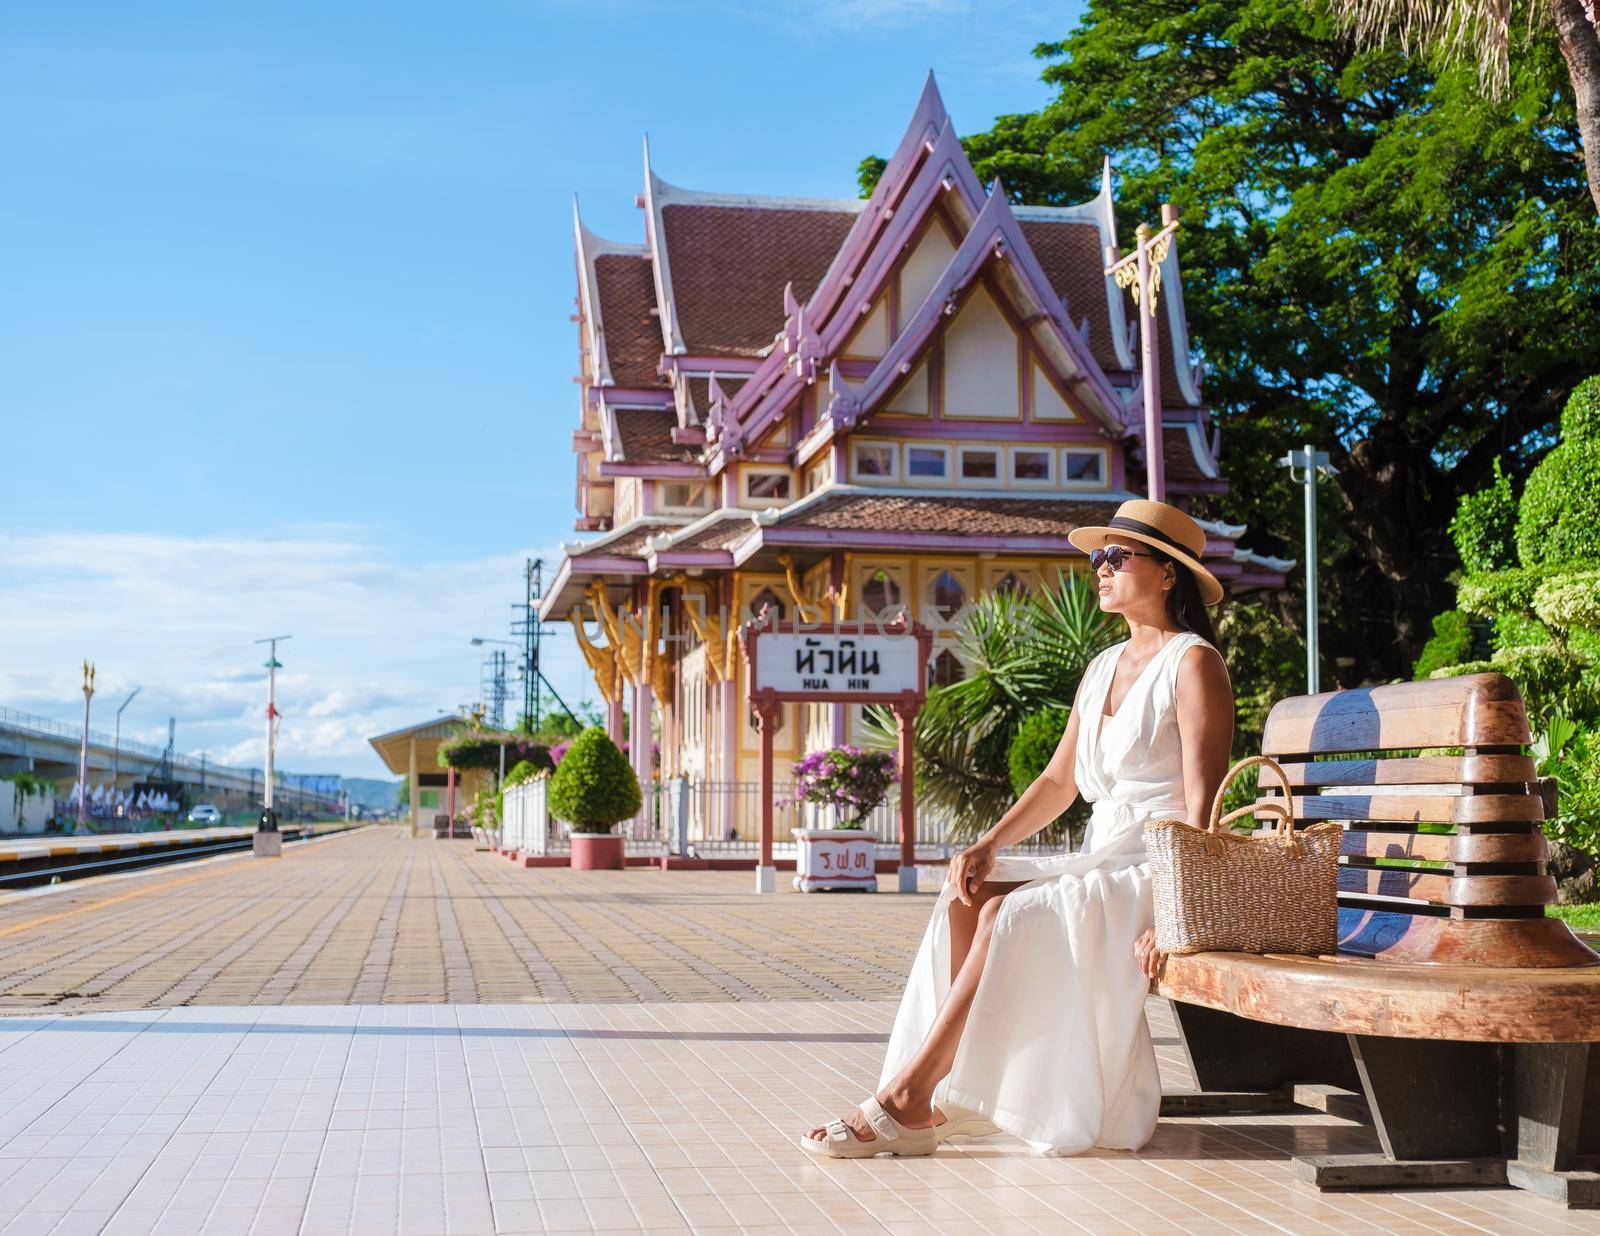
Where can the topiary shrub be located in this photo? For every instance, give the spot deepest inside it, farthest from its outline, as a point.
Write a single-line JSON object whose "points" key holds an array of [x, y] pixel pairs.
{"points": [[1033, 744], [594, 787], [1561, 506], [1570, 601], [525, 770], [1452, 643], [1580, 419], [1485, 526]]}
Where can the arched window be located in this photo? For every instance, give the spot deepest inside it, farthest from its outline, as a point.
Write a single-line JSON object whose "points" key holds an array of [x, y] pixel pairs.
{"points": [[880, 593], [948, 596], [1010, 582], [944, 669], [767, 599]]}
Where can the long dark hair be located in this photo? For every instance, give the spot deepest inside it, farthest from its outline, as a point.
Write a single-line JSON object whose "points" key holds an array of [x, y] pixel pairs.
{"points": [[1184, 605]]}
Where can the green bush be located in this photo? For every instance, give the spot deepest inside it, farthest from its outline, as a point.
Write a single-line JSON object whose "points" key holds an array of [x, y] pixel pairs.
{"points": [[1485, 526], [1452, 643], [525, 770], [1493, 593], [1551, 680], [1033, 744], [1580, 419], [1569, 601], [594, 786], [1561, 506]]}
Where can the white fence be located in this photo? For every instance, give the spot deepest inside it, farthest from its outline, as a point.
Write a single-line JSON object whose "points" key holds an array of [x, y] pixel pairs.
{"points": [[23, 813], [525, 822], [718, 819]]}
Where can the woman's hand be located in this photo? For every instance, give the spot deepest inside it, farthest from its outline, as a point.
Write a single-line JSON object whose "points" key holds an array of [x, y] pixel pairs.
{"points": [[1148, 955], [969, 869]]}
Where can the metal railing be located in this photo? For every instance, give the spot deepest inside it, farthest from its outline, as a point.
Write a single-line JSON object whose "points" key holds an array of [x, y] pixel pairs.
{"points": [[721, 819]]}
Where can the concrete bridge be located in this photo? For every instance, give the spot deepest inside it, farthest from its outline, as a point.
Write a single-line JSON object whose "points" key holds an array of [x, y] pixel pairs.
{"points": [[49, 749]]}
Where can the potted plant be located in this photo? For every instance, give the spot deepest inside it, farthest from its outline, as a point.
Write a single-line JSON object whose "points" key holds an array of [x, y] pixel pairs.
{"points": [[853, 782], [594, 789]]}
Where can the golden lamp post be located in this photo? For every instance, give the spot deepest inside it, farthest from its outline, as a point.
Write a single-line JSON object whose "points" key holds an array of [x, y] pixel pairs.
{"points": [[1140, 273], [83, 750]]}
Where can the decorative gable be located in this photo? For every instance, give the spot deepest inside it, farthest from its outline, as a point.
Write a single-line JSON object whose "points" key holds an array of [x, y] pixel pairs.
{"points": [[980, 361]]}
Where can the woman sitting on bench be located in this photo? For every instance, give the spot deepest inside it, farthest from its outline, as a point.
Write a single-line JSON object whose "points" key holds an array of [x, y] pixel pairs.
{"points": [[1024, 1010]]}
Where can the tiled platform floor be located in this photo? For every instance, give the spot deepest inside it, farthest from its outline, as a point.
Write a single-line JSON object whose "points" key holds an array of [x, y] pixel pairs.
{"points": [[376, 917], [658, 1117]]}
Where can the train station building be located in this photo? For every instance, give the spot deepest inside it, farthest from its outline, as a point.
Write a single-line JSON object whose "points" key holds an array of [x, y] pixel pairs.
{"points": [[841, 408]]}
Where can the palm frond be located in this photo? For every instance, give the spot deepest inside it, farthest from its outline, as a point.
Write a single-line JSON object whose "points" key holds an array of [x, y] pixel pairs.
{"points": [[1446, 30]]}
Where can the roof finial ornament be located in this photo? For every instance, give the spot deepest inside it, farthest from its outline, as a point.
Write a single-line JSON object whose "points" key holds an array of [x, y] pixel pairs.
{"points": [[844, 402]]}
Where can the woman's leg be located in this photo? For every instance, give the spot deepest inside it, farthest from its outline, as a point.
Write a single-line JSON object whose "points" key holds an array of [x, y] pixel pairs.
{"points": [[964, 920], [909, 1097]]}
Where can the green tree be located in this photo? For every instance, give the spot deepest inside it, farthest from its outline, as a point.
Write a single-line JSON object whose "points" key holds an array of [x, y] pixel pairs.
{"points": [[1377, 260], [1482, 30], [594, 787]]}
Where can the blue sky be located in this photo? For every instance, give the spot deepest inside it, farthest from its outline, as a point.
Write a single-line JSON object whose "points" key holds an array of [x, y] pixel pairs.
{"points": [[284, 337]]}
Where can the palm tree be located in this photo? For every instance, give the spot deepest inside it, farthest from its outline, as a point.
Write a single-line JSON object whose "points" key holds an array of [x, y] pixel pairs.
{"points": [[1481, 30], [1024, 651]]}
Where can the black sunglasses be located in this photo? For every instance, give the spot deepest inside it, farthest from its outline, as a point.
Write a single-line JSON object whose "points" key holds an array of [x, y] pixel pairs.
{"points": [[1114, 555]]}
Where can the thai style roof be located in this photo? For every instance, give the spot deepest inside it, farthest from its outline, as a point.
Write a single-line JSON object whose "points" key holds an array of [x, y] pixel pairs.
{"points": [[644, 435]]}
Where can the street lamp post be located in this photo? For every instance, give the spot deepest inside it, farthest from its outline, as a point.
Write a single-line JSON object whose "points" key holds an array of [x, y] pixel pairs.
{"points": [[268, 841], [83, 749], [1310, 462], [1140, 271], [116, 740]]}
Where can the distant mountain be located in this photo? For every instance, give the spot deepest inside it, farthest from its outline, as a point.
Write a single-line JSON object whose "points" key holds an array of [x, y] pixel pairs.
{"points": [[371, 792]]}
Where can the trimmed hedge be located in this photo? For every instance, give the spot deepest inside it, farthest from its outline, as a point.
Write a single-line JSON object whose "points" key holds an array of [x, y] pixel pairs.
{"points": [[594, 787]]}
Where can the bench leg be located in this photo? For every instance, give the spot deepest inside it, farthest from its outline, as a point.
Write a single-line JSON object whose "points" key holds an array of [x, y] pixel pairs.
{"points": [[1229, 1054], [1455, 1113], [1555, 1121]]}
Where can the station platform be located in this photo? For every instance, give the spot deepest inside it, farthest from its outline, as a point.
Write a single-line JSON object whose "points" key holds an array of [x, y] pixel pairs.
{"points": [[58, 845], [376, 1034]]}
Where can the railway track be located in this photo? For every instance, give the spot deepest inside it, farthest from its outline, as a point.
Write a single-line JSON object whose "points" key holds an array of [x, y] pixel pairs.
{"points": [[32, 866]]}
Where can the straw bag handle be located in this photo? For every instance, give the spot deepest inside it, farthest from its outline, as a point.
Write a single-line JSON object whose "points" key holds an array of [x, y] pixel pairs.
{"points": [[1284, 810]]}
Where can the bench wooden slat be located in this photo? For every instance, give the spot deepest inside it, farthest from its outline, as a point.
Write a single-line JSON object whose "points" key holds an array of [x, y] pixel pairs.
{"points": [[1475, 710], [1417, 808], [1518, 847], [1414, 770], [1447, 889]]}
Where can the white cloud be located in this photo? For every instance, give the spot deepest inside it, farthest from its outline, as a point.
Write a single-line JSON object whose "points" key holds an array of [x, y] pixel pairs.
{"points": [[377, 644]]}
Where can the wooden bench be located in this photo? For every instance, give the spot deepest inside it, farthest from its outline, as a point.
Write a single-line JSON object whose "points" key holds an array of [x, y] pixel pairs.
{"points": [[1467, 1021]]}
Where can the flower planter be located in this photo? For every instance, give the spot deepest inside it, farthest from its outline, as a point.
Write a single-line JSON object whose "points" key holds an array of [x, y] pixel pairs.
{"points": [[596, 852], [835, 859]]}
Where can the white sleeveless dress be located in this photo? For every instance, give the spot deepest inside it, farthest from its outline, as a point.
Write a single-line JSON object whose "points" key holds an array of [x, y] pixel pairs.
{"points": [[1056, 1049]]}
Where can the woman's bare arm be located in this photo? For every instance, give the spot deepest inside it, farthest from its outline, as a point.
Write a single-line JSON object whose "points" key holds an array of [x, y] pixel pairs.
{"points": [[1205, 727]]}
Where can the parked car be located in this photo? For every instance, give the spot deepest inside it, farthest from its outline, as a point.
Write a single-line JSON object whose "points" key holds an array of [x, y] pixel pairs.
{"points": [[205, 815]]}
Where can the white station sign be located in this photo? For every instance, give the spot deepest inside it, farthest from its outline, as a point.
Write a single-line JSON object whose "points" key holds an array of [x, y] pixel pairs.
{"points": [[802, 662]]}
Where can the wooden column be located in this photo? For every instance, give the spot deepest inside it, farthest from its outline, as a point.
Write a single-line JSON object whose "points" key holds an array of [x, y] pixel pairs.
{"points": [[766, 718], [905, 715], [411, 780]]}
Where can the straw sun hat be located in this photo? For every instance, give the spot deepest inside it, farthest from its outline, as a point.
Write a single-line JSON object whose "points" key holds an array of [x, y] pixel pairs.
{"points": [[1158, 525]]}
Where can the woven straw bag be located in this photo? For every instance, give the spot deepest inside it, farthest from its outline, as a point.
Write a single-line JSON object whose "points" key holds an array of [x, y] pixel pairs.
{"points": [[1217, 890]]}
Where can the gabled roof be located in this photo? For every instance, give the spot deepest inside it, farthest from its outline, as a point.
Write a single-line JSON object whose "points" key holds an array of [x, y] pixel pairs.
{"points": [[994, 243], [644, 435], [617, 276]]}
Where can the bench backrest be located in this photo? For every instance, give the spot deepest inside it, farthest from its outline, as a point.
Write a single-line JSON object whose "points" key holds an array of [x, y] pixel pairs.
{"points": [[1444, 854]]}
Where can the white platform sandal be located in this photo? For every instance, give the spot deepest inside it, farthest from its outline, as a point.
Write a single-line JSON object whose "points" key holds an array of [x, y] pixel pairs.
{"points": [[892, 1137]]}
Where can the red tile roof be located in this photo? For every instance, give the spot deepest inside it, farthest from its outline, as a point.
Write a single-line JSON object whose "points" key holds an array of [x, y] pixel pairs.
{"points": [[626, 287], [1070, 255], [646, 436], [950, 514], [718, 535], [1178, 456], [700, 390], [729, 265]]}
